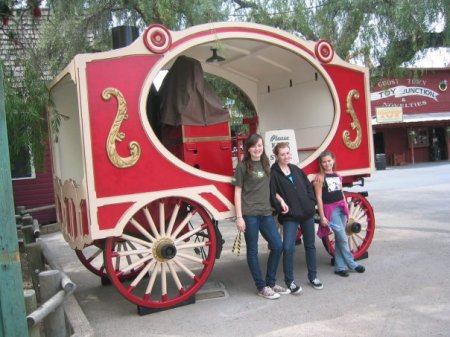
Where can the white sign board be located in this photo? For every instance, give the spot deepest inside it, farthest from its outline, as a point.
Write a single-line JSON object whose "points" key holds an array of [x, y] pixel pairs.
{"points": [[274, 137], [389, 114]]}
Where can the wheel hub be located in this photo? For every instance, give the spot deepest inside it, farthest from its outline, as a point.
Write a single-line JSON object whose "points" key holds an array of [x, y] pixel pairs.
{"points": [[164, 249], [353, 227]]}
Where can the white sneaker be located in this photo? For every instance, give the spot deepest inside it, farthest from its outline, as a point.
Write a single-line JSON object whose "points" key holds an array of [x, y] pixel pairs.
{"points": [[267, 292], [295, 289], [316, 284], [281, 290]]}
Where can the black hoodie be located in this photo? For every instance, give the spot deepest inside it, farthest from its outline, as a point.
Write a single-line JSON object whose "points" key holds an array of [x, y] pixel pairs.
{"points": [[299, 196]]}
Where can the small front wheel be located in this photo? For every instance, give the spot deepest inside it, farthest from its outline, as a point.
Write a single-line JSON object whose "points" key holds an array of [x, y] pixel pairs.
{"points": [[360, 227]]}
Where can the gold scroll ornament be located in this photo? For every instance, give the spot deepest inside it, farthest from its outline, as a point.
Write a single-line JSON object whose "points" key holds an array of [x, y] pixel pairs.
{"points": [[116, 135], [354, 124]]}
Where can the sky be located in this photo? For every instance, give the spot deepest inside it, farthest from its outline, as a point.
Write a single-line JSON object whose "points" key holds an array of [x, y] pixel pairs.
{"points": [[433, 58]]}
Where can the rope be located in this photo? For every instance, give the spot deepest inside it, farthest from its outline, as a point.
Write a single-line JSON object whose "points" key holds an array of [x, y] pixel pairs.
{"points": [[237, 244]]}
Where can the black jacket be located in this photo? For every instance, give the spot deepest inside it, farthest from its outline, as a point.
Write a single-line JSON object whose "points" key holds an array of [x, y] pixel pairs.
{"points": [[299, 196]]}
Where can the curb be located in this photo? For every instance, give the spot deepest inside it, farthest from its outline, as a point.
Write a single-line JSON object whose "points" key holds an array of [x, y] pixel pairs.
{"points": [[79, 325]]}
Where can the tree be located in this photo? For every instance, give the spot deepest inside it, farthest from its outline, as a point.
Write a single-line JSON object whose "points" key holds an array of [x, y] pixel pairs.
{"points": [[382, 34]]}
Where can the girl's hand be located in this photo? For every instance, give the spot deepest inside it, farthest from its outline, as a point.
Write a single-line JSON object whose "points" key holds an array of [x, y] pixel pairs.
{"points": [[240, 224], [323, 222], [284, 208]]}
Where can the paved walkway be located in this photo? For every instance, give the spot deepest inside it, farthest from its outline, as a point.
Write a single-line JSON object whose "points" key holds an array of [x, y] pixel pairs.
{"points": [[405, 291]]}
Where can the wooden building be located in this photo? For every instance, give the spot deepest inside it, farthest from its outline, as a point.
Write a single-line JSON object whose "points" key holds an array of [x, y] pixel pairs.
{"points": [[411, 118]]}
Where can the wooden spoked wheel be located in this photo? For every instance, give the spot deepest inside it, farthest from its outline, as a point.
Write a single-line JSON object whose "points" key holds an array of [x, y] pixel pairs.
{"points": [[360, 227], [173, 243], [91, 257]]}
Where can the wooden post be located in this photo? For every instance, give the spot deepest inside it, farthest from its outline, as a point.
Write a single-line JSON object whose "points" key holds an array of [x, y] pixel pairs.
{"points": [[35, 263], [31, 305], [12, 309]]}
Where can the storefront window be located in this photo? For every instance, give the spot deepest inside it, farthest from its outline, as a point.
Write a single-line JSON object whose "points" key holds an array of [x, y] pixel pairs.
{"points": [[418, 137]]}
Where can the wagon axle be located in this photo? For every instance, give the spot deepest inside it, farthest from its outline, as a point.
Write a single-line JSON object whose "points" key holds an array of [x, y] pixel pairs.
{"points": [[353, 227], [164, 249], [167, 251]]}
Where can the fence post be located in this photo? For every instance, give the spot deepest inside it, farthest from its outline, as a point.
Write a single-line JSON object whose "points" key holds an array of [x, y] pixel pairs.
{"points": [[12, 309], [54, 323], [35, 263], [31, 305]]}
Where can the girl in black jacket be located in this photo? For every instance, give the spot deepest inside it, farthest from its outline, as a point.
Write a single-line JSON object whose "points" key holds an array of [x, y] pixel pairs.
{"points": [[294, 200]]}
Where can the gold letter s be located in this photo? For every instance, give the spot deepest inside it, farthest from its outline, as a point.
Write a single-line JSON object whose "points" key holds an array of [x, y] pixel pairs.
{"points": [[115, 135], [354, 124]]}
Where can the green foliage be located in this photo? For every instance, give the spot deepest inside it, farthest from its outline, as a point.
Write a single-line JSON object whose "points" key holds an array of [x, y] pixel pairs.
{"points": [[25, 107], [236, 101]]}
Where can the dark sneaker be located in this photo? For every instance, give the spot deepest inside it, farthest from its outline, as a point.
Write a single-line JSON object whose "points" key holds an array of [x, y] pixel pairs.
{"points": [[316, 284], [342, 273], [281, 290], [295, 289], [360, 269], [267, 292]]}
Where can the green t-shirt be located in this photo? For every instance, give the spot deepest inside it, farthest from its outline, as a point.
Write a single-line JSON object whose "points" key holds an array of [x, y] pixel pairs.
{"points": [[255, 189]]}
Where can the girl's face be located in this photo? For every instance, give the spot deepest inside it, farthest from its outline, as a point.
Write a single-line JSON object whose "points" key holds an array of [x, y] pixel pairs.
{"points": [[284, 156], [327, 163], [256, 150]]}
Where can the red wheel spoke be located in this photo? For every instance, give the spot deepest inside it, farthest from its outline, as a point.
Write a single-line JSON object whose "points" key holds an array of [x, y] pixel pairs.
{"points": [[184, 268], [151, 222], [182, 225], [174, 275], [162, 219], [173, 218], [143, 272], [193, 245], [141, 229], [188, 234]]}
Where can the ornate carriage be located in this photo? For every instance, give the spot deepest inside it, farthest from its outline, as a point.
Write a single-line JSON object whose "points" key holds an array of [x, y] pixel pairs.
{"points": [[143, 176]]}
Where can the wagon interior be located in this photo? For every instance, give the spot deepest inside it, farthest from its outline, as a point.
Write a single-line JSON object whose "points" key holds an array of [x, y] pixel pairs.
{"points": [[285, 90]]}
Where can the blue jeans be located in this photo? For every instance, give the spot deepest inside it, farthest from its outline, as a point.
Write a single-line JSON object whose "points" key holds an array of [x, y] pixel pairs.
{"points": [[266, 225], [343, 258], [289, 234]]}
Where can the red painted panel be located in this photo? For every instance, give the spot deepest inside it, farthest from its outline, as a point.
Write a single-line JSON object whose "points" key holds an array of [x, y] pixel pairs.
{"points": [[217, 204], [152, 172], [345, 80], [108, 216], [220, 129]]}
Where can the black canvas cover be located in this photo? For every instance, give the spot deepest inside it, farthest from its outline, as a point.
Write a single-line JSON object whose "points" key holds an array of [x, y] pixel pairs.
{"points": [[186, 98]]}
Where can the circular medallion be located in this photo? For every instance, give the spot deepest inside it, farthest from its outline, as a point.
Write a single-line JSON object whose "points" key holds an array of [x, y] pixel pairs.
{"points": [[324, 51], [157, 39], [443, 85]]}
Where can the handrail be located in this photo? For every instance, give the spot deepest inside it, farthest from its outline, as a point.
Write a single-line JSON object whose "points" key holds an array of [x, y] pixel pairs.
{"points": [[67, 288]]}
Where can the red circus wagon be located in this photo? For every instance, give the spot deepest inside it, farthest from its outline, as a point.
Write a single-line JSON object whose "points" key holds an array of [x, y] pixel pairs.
{"points": [[143, 176]]}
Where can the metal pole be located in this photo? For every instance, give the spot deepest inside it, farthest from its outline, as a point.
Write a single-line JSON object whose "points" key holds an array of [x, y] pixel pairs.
{"points": [[12, 305]]}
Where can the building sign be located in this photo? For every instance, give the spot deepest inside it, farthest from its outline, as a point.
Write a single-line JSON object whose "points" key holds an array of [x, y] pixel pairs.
{"points": [[417, 94], [389, 115], [274, 137], [403, 91]]}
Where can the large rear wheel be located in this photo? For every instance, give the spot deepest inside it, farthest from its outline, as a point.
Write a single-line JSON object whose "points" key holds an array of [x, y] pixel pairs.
{"points": [[360, 227], [173, 243]]}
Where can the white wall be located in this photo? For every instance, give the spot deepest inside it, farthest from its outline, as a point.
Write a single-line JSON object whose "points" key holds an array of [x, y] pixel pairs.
{"points": [[307, 107]]}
